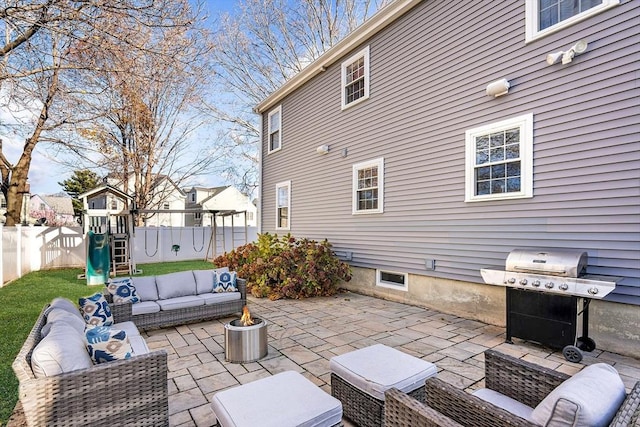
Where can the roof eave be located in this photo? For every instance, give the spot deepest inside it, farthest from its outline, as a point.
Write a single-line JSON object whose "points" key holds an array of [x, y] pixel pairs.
{"points": [[369, 28]]}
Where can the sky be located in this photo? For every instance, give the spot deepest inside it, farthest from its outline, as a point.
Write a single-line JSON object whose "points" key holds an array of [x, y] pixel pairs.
{"points": [[45, 172]]}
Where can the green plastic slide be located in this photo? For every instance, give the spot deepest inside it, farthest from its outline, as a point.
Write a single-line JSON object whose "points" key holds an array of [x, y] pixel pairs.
{"points": [[98, 258]]}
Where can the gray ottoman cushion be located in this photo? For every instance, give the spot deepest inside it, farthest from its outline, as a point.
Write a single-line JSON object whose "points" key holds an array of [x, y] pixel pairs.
{"points": [[284, 399], [377, 368]]}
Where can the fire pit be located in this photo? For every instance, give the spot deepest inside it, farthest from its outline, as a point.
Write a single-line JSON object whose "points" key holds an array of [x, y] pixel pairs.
{"points": [[245, 339]]}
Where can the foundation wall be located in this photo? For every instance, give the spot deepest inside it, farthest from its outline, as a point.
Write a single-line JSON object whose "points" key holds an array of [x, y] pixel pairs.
{"points": [[614, 327]]}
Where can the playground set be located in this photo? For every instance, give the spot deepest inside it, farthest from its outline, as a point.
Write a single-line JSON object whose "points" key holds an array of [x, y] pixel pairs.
{"points": [[108, 234]]}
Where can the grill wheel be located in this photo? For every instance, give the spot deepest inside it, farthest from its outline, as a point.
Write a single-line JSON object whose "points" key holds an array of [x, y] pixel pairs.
{"points": [[572, 353]]}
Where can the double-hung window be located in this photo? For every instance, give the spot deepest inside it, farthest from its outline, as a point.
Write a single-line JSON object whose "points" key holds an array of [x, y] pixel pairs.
{"points": [[275, 129], [283, 206], [499, 160], [548, 16], [355, 78], [368, 187]]}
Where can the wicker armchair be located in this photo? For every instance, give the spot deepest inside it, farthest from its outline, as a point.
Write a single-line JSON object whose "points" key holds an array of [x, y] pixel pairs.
{"points": [[130, 392], [521, 380]]}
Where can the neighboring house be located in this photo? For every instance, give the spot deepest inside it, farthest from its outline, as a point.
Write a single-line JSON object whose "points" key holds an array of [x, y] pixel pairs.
{"points": [[228, 202], [51, 210], [389, 146], [165, 195]]}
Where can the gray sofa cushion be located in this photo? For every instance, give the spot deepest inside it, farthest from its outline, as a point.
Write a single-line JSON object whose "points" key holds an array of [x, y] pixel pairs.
{"points": [[62, 350], [145, 288], [205, 279], [174, 285], [64, 304], [219, 297], [145, 307], [61, 315], [180, 302]]}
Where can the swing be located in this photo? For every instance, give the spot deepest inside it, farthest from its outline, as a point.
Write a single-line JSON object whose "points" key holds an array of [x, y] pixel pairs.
{"points": [[145, 242], [193, 236], [175, 247]]}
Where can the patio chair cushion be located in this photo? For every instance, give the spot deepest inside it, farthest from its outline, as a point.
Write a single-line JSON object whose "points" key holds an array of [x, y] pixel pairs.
{"points": [[590, 398], [377, 368], [106, 344], [96, 310], [123, 290], [504, 402], [206, 279], [146, 288], [226, 282], [284, 399], [175, 285], [62, 350], [61, 315]]}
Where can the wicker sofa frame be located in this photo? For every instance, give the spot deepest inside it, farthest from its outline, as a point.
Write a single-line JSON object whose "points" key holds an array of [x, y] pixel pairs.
{"points": [[130, 392], [122, 312], [523, 381]]}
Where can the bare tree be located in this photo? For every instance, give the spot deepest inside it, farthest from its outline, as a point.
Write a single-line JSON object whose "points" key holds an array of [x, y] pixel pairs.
{"points": [[145, 117], [261, 47], [43, 48]]}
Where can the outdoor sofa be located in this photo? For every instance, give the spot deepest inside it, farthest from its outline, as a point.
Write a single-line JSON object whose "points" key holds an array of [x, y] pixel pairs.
{"points": [[60, 386], [513, 382], [178, 298]]}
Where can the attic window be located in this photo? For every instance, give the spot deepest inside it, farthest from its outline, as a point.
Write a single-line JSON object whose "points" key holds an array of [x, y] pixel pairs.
{"points": [[355, 79], [275, 132]]}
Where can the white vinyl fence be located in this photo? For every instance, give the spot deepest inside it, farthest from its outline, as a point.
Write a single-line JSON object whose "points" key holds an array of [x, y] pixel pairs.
{"points": [[28, 248]]}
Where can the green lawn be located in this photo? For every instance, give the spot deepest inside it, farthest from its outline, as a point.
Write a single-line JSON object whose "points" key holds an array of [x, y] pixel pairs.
{"points": [[22, 301]]}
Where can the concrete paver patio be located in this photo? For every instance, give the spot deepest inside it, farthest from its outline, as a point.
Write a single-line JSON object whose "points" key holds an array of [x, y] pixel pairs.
{"points": [[305, 334]]}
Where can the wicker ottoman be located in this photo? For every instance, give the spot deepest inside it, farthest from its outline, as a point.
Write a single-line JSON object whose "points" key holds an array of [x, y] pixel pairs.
{"points": [[360, 378], [284, 399]]}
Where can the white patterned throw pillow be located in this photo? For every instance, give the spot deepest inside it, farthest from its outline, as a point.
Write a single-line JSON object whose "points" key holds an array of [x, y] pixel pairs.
{"points": [[225, 282], [95, 310], [123, 291], [105, 344]]}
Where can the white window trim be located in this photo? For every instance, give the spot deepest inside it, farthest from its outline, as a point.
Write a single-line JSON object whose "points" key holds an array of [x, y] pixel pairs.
{"points": [[525, 122], [532, 19], [278, 186], [391, 285], [278, 109], [354, 186], [363, 53]]}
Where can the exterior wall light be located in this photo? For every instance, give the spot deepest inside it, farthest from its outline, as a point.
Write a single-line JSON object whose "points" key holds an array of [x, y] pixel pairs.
{"points": [[567, 56], [498, 88], [322, 149]]}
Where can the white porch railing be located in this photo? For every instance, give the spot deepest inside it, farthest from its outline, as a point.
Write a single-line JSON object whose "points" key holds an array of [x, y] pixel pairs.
{"points": [[29, 248]]}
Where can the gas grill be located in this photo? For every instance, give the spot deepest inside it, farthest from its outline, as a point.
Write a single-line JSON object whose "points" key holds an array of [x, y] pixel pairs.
{"points": [[548, 296]]}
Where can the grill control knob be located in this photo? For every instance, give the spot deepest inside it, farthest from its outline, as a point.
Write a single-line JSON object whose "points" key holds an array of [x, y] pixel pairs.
{"points": [[536, 283], [548, 285], [523, 282], [593, 291], [512, 280], [563, 286]]}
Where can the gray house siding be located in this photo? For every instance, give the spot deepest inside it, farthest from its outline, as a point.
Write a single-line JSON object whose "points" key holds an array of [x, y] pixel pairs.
{"points": [[428, 74]]}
